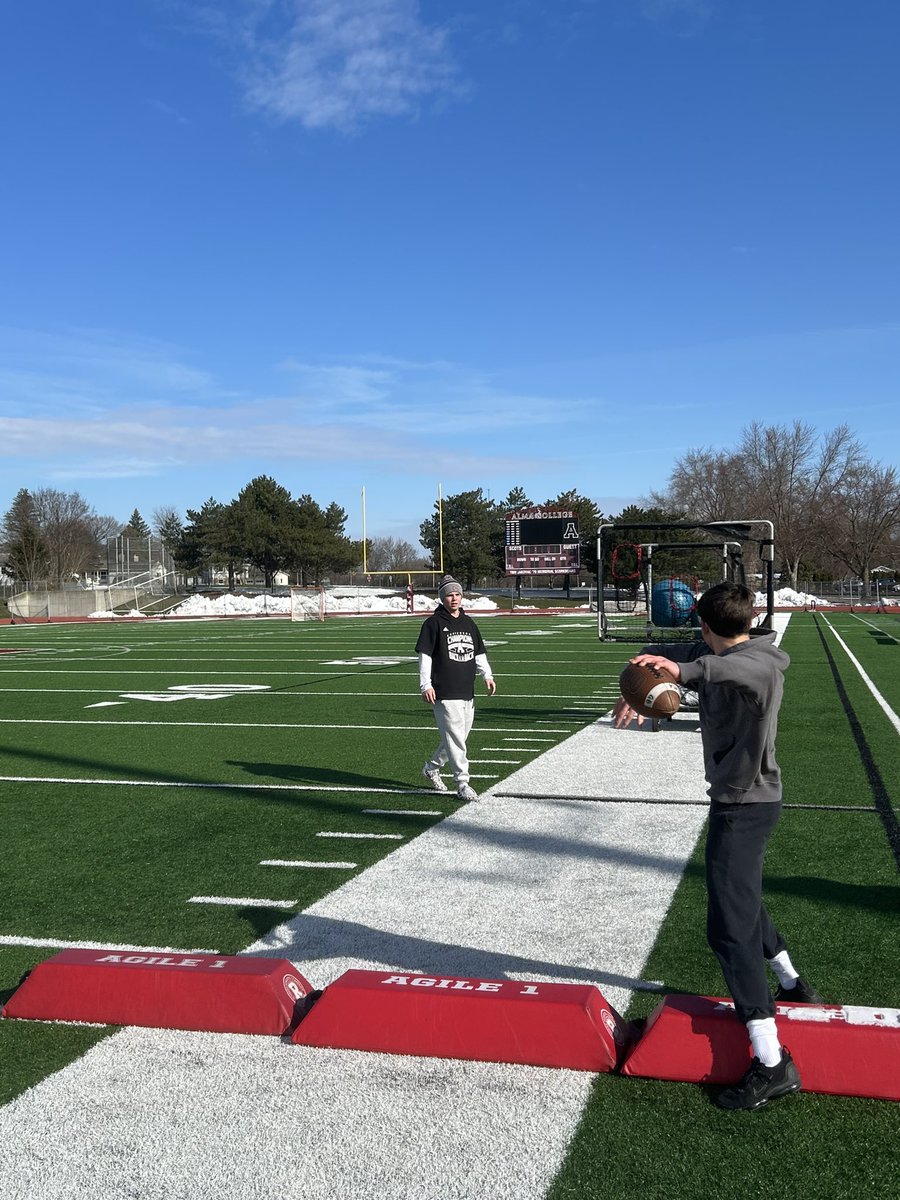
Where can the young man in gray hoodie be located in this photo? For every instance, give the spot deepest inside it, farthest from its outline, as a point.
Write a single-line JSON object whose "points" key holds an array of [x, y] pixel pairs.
{"points": [[739, 680]]}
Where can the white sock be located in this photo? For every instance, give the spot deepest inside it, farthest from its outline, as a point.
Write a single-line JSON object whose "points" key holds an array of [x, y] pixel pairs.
{"points": [[764, 1040], [783, 967]]}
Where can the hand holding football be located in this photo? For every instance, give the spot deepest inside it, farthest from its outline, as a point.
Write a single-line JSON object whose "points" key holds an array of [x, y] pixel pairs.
{"points": [[650, 691]]}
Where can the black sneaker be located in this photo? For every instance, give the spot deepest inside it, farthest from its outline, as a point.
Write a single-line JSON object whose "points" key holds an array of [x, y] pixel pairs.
{"points": [[761, 1084], [800, 993]]}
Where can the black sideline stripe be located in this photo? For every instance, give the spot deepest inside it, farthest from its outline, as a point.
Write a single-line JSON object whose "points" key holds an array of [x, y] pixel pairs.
{"points": [[877, 785]]}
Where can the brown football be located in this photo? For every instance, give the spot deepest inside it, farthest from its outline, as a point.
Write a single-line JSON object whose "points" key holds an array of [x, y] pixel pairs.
{"points": [[649, 691]]}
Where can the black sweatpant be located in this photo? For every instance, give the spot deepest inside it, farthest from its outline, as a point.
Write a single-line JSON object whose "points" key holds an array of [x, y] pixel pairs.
{"points": [[738, 927]]}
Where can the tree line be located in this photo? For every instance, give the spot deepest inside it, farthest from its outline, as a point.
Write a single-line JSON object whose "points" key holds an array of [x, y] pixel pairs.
{"points": [[834, 511]]}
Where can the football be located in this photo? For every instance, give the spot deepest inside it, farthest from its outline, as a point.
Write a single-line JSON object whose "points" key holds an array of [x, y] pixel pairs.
{"points": [[650, 691]]}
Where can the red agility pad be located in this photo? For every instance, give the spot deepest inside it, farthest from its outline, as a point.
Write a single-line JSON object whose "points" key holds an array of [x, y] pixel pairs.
{"points": [[490, 1020], [844, 1050], [214, 993]]}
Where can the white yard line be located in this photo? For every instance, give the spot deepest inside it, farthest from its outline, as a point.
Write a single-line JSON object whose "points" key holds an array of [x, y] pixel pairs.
{"points": [[404, 812], [239, 787], [59, 944], [284, 862], [429, 729], [391, 837], [533, 889], [242, 901]]}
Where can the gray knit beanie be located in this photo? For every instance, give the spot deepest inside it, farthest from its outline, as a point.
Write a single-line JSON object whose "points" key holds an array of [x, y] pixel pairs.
{"points": [[448, 584]]}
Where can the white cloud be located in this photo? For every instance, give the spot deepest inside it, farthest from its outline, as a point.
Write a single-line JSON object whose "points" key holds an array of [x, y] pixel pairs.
{"points": [[84, 370], [341, 63], [82, 405]]}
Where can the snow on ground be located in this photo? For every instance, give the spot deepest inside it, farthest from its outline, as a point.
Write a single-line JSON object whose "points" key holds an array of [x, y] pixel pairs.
{"points": [[372, 599], [346, 599], [788, 598]]}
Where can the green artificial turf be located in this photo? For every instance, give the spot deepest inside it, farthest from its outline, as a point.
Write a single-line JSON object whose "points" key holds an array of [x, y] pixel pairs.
{"points": [[118, 863], [197, 793]]}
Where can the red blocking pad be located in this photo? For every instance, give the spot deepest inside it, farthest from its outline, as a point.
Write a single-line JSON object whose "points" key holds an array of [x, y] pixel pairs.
{"points": [[215, 993], [845, 1050], [490, 1020]]}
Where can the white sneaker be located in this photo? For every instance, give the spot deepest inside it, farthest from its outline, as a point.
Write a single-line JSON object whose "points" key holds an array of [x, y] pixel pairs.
{"points": [[434, 778], [464, 792]]}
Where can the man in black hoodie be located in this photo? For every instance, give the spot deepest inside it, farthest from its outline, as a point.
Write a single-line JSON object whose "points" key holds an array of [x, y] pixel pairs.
{"points": [[451, 653], [740, 681]]}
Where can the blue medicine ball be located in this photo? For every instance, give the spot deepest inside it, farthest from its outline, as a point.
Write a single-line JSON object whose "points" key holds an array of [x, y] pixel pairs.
{"points": [[672, 603]]}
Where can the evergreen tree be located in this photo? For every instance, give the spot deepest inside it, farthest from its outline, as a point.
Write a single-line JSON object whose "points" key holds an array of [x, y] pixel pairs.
{"points": [[589, 521], [198, 545], [323, 544], [517, 497], [136, 526], [168, 527], [472, 533], [24, 550], [268, 527]]}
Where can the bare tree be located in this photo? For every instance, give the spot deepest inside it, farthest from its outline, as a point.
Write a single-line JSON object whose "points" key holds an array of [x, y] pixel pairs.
{"points": [[67, 525], [706, 485], [862, 520], [391, 554], [789, 475]]}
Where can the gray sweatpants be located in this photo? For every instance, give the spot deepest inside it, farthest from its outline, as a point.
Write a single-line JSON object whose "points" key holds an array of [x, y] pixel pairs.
{"points": [[454, 720]]}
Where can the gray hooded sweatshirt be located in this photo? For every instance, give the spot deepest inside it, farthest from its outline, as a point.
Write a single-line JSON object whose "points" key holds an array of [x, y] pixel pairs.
{"points": [[740, 693]]}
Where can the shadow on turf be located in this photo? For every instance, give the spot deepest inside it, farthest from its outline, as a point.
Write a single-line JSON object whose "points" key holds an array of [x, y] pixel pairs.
{"points": [[301, 773], [313, 938], [287, 771], [833, 893], [877, 785]]}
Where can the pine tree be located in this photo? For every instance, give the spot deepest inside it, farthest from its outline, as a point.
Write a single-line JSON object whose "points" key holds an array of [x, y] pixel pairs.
{"points": [[25, 555], [137, 526]]}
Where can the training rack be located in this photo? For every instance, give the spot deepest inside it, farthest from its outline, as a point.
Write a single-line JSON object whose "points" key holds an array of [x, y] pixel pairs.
{"points": [[625, 599]]}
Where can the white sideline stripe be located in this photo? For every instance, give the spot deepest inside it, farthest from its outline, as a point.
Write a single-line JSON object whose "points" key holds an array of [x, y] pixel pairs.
{"points": [[404, 812], [285, 862], [243, 901], [389, 837], [495, 762], [58, 944], [524, 889], [536, 740], [879, 699]]}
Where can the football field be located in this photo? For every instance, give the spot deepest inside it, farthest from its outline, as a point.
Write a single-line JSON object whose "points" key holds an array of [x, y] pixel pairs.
{"points": [[230, 785]]}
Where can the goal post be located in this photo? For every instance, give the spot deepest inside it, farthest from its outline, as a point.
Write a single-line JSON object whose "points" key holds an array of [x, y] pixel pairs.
{"points": [[650, 575], [307, 604]]}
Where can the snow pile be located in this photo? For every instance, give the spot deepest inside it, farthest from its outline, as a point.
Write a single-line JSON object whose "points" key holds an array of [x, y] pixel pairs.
{"points": [[346, 600], [106, 614], [788, 598]]}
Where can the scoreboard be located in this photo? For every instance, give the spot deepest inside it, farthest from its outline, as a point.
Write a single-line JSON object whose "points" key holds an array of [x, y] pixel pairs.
{"points": [[542, 541]]}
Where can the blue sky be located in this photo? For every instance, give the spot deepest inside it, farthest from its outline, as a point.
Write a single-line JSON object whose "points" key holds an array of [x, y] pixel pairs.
{"points": [[397, 244]]}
